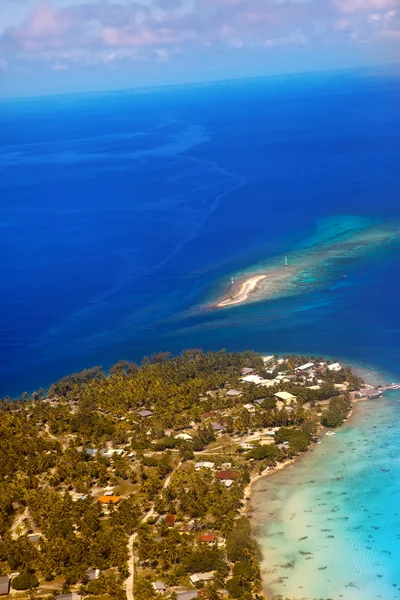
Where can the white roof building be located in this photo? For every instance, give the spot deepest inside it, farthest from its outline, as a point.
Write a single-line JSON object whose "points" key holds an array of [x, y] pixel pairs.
{"points": [[159, 586], [196, 577], [252, 379], [183, 436], [285, 396], [204, 465], [305, 367], [249, 407], [334, 367], [228, 483], [267, 359]]}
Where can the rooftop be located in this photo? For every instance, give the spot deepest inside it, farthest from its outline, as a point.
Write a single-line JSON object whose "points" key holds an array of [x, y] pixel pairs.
{"points": [[247, 371], [305, 367], [109, 499], [159, 586], [144, 413], [208, 538], [187, 595], [285, 396], [4, 586], [170, 520]]}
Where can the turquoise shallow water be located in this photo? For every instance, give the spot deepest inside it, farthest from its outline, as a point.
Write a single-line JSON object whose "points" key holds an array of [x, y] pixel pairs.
{"points": [[329, 526]]}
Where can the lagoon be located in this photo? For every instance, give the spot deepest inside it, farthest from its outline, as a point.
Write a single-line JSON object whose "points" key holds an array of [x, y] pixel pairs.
{"points": [[329, 526]]}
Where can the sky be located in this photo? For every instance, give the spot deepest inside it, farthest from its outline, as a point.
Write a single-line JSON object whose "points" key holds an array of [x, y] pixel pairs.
{"points": [[50, 46]]}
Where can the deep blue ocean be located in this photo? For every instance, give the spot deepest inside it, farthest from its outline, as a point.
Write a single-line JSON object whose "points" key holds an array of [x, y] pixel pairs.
{"points": [[123, 212]]}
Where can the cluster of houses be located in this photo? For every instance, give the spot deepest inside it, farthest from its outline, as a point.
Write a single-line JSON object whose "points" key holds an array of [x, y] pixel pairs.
{"points": [[308, 374]]}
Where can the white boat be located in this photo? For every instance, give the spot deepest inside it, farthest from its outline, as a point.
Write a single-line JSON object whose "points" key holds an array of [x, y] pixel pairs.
{"points": [[331, 433]]}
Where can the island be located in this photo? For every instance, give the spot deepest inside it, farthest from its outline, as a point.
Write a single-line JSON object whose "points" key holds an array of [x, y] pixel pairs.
{"points": [[320, 260], [134, 483]]}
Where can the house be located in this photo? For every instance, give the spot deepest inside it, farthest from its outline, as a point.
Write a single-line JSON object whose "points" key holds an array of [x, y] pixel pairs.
{"points": [[285, 396], [70, 596], [249, 407], [305, 367], [267, 359], [107, 453], [204, 465], [373, 393], [184, 436], [186, 595], [217, 427], [228, 483], [252, 379], [226, 475], [196, 577], [170, 520], [246, 371], [34, 538], [334, 367], [208, 538], [4, 586], [144, 413], [109, 499], [207, 415], [92, 574], [159, 587], [234, 393]]}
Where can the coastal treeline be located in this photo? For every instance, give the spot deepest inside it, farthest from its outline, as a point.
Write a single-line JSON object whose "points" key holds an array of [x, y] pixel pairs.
{"points": [[150, 465]]}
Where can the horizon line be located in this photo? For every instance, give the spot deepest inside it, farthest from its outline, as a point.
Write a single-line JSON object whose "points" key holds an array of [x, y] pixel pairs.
{"points": [[205, 82]]}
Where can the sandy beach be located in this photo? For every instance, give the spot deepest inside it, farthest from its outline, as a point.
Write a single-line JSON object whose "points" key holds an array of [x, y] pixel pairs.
{"points": [[247, 288]]}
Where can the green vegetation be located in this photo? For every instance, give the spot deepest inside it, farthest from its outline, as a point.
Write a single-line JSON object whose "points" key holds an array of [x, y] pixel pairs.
{"points": [[163, 453], [337, 412]]}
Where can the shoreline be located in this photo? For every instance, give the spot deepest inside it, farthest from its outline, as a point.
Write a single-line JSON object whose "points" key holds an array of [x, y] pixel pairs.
{"points": [[247, 496]]}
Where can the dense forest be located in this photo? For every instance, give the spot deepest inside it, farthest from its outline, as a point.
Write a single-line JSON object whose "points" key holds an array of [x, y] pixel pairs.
{"points": [[132, 483]]}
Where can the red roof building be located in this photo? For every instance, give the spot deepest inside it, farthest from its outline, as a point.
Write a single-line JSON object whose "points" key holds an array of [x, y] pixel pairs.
{"points": [[170, 520], [209, 538], [206, 415]]}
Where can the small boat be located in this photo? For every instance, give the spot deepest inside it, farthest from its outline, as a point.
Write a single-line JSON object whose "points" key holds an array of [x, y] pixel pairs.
{"points": [[331, 433]]}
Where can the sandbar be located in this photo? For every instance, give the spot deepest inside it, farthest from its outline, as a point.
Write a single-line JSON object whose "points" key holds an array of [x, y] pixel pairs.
{"points": [[316, 263], [248, 287]]}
